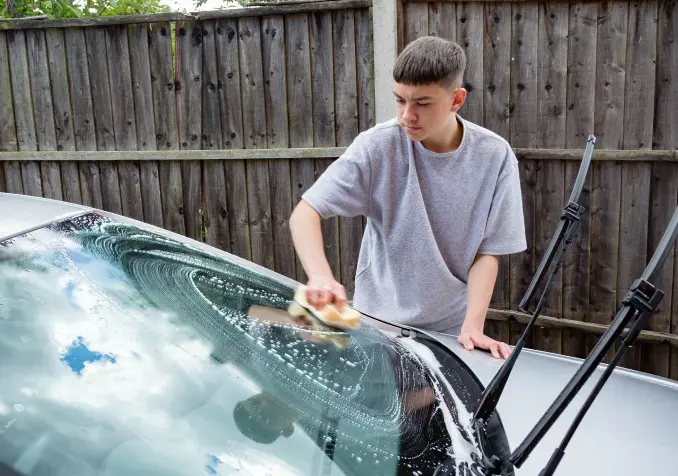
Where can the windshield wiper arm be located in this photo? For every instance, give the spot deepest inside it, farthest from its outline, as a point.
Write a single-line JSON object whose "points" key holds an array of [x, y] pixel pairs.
{"points": [[641, 301], [569, 223]]}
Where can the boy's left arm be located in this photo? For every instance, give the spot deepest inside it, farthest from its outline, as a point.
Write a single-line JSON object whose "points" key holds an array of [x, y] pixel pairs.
{"points": [[481, 279]]}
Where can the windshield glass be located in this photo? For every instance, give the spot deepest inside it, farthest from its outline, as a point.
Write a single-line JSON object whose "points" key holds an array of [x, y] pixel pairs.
{"points": [[123, 352]]}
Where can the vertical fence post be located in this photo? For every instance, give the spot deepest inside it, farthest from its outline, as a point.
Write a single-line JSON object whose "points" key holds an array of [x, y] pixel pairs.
{"points": [[385, 29]]}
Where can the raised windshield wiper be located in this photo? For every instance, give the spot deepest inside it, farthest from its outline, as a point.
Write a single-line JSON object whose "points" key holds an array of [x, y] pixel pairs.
{"points": [[569, 223], [640, 302]]}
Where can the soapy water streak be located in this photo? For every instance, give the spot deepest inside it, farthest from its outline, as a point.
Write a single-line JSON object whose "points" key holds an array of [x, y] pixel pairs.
{"points": [[362, 385]]}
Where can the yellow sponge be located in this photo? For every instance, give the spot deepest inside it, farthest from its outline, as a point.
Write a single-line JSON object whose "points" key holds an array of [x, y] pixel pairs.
{"points": [[349, 318]]}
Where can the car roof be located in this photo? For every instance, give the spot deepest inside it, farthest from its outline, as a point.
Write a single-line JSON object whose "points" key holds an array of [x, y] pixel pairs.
{"points": [[23, 213]]}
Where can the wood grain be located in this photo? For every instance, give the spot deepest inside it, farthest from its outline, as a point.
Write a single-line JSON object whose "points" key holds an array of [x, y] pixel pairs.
{"points": [[231, 119], [63, 115], [216, 219], [581, 70], [163, 89], [142, 91], [254, 129], [83, 114], [43, 111], [189, 113], [275, 90], [497, 85], [636, 178], [23, 111], [124, 121], [470, 37]]}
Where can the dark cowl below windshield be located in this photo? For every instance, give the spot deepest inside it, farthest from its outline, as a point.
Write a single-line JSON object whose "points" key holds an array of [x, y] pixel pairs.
{"points": [[125, 352]]}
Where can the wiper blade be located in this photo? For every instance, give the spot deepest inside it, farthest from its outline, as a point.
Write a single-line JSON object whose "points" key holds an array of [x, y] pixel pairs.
{"points": [[641, 301], [569, 223]]}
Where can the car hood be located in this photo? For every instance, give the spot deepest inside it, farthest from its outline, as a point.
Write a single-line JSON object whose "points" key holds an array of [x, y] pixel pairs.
{"points": [[22, 213], [629, 430]]}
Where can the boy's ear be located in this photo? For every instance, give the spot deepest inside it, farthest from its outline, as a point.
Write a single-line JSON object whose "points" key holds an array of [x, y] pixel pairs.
{"points": [[459, 96], [287, 432]]}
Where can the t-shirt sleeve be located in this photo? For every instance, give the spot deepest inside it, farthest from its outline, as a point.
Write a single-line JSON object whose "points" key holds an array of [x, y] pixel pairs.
{"points": [[505, 228], [344, 189]]}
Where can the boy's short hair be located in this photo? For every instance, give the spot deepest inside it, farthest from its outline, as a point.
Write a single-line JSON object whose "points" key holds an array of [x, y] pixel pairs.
{"points": [[430, 60]]}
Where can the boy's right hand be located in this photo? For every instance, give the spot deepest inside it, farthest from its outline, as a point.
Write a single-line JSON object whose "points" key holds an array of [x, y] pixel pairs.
{"points": [[324, 290]]}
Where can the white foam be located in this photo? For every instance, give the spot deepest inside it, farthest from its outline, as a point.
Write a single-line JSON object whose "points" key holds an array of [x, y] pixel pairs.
{"points": [[461, 448]]}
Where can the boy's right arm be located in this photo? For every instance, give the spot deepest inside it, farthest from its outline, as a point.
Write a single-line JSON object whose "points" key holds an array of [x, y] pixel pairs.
{"points": [[322, 287]]}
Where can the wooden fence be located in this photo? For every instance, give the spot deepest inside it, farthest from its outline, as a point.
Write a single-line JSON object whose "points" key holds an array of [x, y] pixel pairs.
{"points": [[174, 135]]}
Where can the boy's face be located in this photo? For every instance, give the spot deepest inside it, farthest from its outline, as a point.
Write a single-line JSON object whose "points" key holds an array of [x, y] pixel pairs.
{"points": [[424, 111]]}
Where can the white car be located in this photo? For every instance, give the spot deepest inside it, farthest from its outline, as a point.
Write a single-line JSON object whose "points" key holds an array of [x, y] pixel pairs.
{"points": [[130, 350]]}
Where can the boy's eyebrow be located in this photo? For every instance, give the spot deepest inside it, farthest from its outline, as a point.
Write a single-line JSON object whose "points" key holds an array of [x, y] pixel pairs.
{"points": [[423, 98]]}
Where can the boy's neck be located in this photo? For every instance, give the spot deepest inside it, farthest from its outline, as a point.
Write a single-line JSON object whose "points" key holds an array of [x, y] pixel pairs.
{"points": [[448, 140]]}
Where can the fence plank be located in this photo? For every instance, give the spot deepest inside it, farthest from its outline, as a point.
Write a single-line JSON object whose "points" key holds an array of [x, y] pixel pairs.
{"points": [[365, 60], [322, 73], [216, 217], [524, 40], [666, 135], [83, 116], [581, 71], [416, 21], [228, 63], [666, 99], [43, 111], [655, 359], [497, 67], [638, 116], [523, 133], [3, 187], [607, 179], [610, 74], [165, 120], [103, 112], [275, 90], [470, 38], [211, 111], [552, 74], [550, 192], [23, 111], [124, 122], [496, 90], [254, 128], [189, 92], [345, 74], [306, 93], [442, 20], [138, 38], [7, 125], [63, 117]]}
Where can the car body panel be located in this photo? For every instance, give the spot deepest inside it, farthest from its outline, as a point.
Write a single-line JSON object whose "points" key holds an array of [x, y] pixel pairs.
{"points": [[22, 213], [629, 430]]}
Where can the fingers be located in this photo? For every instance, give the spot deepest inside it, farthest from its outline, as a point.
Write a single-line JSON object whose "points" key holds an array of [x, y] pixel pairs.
{"points": [[505, 350], [340, 297], [494, 348], [320, 294], [466, 341]]}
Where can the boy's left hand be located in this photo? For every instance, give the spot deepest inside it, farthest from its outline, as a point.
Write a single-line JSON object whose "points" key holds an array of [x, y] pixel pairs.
{"points": [[471, 338]]}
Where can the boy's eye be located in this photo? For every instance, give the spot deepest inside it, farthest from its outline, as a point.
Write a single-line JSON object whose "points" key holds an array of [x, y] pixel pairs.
{"points": [[423, 104]]}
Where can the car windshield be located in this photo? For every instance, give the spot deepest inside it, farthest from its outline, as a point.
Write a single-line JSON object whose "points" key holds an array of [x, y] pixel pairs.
{"points": [[125, 352]]}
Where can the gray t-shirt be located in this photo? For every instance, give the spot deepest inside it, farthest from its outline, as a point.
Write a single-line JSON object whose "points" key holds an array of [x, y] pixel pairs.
{"points": [[428, 215]]}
